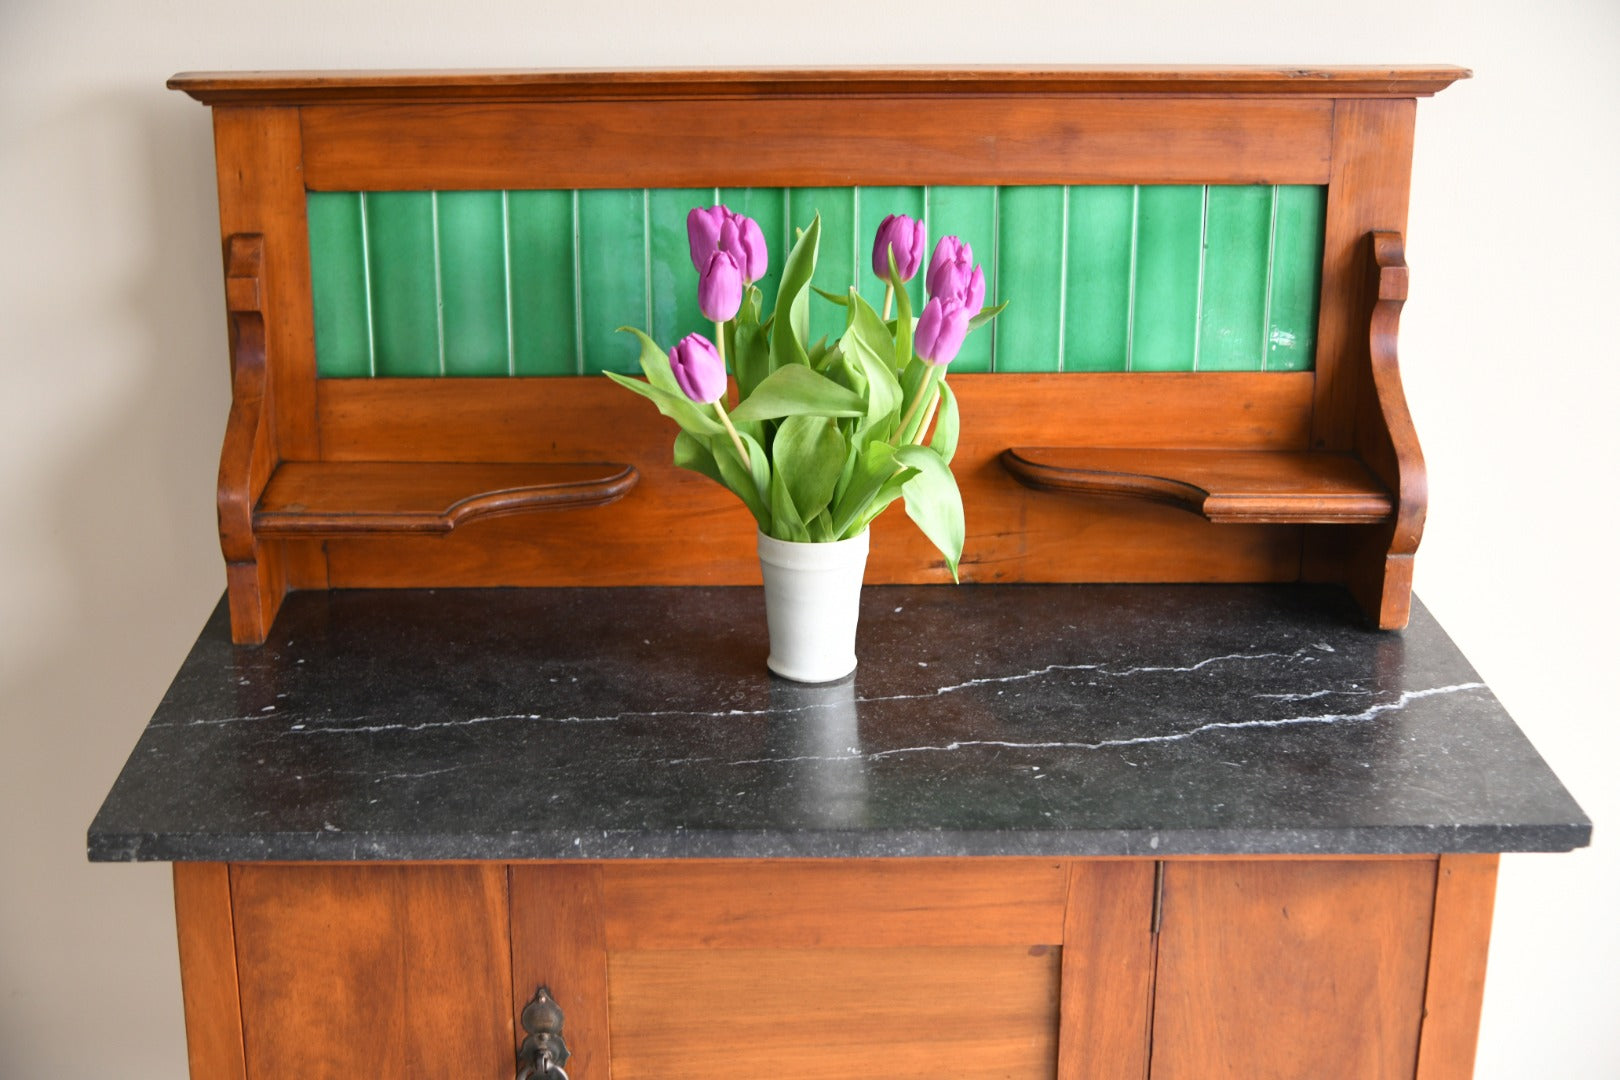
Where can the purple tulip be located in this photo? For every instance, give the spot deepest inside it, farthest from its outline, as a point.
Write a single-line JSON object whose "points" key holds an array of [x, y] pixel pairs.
{"points": [[747, 245], [941, 330], [719, 228], [698, 369], [703, 233], [952, 275], [906, 238], [720, 288]]}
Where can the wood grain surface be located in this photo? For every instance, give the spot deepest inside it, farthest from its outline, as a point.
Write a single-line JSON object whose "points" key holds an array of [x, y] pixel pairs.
{"points": [[374, 971], [1295, 970], [884, 903]]}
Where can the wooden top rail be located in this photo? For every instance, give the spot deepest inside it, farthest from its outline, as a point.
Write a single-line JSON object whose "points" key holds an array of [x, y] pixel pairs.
{"points": [[331, 87]]}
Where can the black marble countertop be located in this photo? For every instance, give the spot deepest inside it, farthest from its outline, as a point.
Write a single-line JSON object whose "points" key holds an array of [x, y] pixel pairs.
{"points": [[983, 720]]}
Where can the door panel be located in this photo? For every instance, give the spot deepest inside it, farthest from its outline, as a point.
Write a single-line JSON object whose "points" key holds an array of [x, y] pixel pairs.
{"points": [[397, 971], [1291, 970]]}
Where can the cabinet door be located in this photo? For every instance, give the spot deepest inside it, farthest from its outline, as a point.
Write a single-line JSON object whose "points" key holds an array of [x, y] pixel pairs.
{"points": [[1292, 970], [792, 970], [387, 971]]}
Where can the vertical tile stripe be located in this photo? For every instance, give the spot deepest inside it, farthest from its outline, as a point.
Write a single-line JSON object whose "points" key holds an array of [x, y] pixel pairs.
{"points": [[404, 296], [1296, 278], [1031, 276], [472, 282], [337, 272], [611, 287], [543, 314], [1233, 308], [1104, 278], [1169, 249], [1098, 307]]}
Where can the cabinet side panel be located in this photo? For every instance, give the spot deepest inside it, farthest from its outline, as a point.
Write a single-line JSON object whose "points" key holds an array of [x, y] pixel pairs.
{"points": [[806, 1014], [557, 942], [1107, 971], [1464, 901], [1291, 969], [202, 909], [373, 971]]}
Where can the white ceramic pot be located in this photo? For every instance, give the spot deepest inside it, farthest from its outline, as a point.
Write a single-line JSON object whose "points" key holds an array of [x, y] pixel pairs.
{"points": [[812, 603]]}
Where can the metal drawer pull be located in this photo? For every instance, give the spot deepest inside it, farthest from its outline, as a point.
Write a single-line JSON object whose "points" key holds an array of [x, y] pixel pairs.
{"points": [[543, 1053]]}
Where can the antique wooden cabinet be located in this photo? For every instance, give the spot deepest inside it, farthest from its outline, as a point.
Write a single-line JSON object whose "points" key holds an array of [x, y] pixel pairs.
{"points": [[1242, 821]]}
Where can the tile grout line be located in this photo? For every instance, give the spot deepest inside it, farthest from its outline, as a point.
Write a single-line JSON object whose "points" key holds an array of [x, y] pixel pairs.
{"points": [[438, 278], [1063, 283], [579, 303], [646, 255], [1271, 266], [506, 258], [365, 269], [1203, 258], [995, 274], [1130, 285]]}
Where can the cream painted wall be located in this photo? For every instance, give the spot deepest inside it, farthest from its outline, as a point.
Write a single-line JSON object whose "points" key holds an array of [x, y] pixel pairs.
{"points": [[111, 337]]}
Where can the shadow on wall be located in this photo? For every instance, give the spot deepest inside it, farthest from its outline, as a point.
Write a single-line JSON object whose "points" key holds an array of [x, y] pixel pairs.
{"points": [[123, 558]]}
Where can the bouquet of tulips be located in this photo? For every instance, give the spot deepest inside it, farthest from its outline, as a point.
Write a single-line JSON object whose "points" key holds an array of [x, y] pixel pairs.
{"points": [[824, 435]]}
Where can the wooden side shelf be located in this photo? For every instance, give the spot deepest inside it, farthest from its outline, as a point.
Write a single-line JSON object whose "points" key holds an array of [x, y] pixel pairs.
{"points": [[356, 498], [1258, 487]]}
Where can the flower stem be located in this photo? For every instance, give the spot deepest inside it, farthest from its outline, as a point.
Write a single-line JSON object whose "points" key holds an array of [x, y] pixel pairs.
{"points": [[925, 392], [888, 299], [736, 440], [720, 347]]}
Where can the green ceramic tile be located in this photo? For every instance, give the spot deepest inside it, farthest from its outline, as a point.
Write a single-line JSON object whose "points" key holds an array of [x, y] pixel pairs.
{"points": [[404, 289], [1296, 278], [472, 282], [836, 264], [337, 272], [673, 278], [1169, 242], [968, 213], [768, 206], [1097, 306], [1029, 274], [876, 203], [1237, 245], [612, 277], [540, 242]]}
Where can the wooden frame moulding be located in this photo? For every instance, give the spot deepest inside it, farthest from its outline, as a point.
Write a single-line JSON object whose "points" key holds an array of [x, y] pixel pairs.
{"points": [[1337, 499]]}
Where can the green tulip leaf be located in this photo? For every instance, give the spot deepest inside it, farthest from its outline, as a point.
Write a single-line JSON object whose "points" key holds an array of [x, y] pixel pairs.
{"points": [[792, 324], [752, 484], [797, 391], [809, 453], [655, 362], [947, 424], [934, 503], [751, 355], [867, 341], [677, 406], [985, 316], [693, 453], [785, 521], [902, 323], [874, 466], [841, 301]]}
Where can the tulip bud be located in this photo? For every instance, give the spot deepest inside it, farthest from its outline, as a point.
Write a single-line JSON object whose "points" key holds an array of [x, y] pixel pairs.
{"points": [[941, 330], [698, 369], [906, 238], [703, 233], [950, 267], [973, 295], [747, 246], [720, 288], [952, 275]]}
